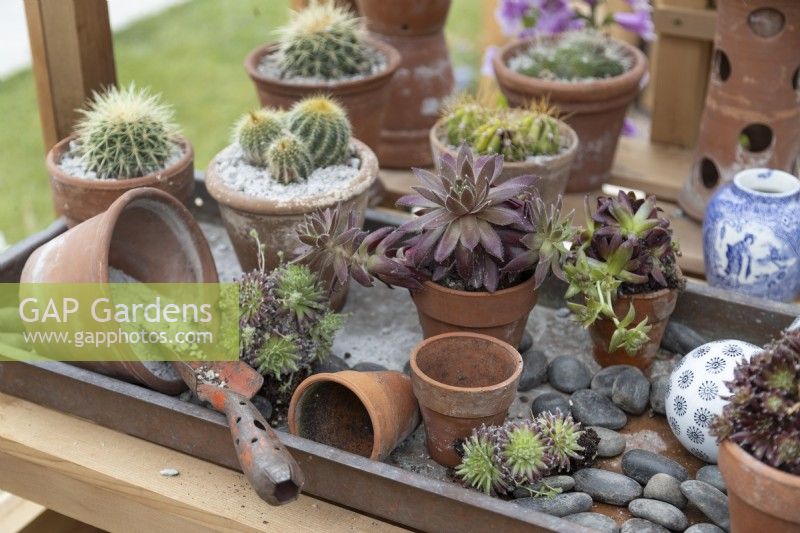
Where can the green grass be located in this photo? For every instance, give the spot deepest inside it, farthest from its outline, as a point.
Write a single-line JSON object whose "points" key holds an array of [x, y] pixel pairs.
{"points": [[193, 54]]}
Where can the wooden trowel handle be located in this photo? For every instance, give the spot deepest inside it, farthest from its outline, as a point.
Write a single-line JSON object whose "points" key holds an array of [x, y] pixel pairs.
{"points": [[268, 465]]}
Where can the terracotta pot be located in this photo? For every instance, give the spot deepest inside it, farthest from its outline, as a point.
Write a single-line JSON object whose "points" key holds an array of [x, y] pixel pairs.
{"points": [[275, 220], [656, 307], [502, 314], [752, 93], [423, 81], [349, 4], [594, 109], [553, 170], [760, 497], [147, 234], [79, 199], [364, 99], [462, 380], [366, 413]]}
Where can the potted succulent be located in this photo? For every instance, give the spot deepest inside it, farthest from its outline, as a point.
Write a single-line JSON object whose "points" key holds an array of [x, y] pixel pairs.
{"points": [[125, 139], [473, 257], [531, 141], [759, 431], [283, 165], [623, 267], [589, 76], [324, 50]]}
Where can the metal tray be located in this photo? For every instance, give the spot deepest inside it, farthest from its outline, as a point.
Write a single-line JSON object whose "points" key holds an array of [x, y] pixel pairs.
{"points": [[382, 327]]}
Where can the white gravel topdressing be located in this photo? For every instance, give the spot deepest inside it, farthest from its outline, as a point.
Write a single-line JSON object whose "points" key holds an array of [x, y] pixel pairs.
{"points": [[72, 164], [241, 176], [269, 67]]}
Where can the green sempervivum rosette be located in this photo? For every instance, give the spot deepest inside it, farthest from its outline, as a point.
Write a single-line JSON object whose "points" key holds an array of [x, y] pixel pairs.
{"points": [[564, 434]]}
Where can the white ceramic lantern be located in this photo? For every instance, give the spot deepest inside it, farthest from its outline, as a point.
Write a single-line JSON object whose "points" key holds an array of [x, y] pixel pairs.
{"points": [[696, 388]]}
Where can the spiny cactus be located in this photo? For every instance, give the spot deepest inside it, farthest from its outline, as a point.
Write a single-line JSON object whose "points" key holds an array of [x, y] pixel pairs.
{"points": [[288, 159], [126, 133], [463, 115], [323, 41], [255, 131], [323, 126], [575, 56]]}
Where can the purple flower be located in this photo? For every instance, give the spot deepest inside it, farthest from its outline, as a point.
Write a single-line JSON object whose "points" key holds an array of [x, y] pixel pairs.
{"points": [[510, 15], [487, 68], [629, 128], [639, 22]]}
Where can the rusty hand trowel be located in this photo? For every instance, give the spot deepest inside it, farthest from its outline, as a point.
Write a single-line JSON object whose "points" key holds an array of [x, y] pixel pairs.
{"points": [[228, 387]]}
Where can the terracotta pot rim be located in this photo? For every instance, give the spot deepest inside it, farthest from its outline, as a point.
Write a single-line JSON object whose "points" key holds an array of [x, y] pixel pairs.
{"points": [[777, 476], [601, 89], [58, 150], [415, 370], [519, 287], [253, 59], [239, 201], [652, 295], [437, 140]]}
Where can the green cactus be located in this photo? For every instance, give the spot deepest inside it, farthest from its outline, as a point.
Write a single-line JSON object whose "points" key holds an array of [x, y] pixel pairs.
{"points": [[323, 41], [126, 133], [462, 117], [576, 56], [288, 159], [255, 131], [322, 124], [540, 133], [499, 136]]}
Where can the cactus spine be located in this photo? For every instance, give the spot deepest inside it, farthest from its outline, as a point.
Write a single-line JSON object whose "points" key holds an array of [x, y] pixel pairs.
{"points": [[463, 116], [126, 133], [255, 131], [323, 126], [540, 134], [288, 159]]}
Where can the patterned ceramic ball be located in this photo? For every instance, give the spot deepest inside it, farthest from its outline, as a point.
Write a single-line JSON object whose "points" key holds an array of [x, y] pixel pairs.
{"points": [[695, 393]]}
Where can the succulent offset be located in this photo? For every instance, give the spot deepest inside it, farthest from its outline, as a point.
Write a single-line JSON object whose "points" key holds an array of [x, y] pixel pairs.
{"points": [[126, 133], [288, 159], [256, 131], [323, 126]]}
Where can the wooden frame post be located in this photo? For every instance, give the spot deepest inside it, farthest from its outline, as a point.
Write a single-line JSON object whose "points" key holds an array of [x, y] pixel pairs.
{"points": [[72, 56]]}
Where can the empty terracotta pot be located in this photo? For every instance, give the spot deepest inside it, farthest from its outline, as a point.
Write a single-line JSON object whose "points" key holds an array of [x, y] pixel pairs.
{"points": [[656, 307], [78, 199], [553, 170], [501, 314], [148, 235], [595, 109], [275, 220], [364, 99], [365, 413], [760, 497], [462, 380]]}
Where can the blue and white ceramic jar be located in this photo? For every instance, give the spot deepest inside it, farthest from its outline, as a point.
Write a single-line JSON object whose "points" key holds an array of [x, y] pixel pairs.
{"points": [[751, 235]]}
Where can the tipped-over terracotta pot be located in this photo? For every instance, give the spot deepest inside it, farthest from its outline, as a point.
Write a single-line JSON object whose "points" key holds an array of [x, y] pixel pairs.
{"points": [[760, 497], [595, 109], [553, 170], [364, 99], [365, 413], [462, 380], [501, 314], [275, 220], [79, 199], [656, 307], [148, 235]]}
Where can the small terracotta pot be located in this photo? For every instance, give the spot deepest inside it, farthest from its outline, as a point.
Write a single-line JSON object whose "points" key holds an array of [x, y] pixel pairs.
{"points": [[147, 234], [656, 307], [553, 170], [502, 314], [423, 81], [364, 99], [275, 220], [79, 199], [462, 380], [595, 109], [760, 497], [365, 413]]}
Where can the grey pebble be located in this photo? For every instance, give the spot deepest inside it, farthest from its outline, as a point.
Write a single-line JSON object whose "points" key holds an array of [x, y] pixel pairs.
{"points": [[711, 475], [332, 363], [611, 443], [640, 525], [680, 338], [564, 483], [603, 381], [407, 368], [596, 521], [665, 488], [552, 402], [560, 504], [607, 487], [658, 394], [661, 513], [263, 405], [366, 366], [563, 312], [705, 527], [526, 342], [568, 374], [641, 465], [711, 501], [631, 391], [591, 408], [534, 370]]}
